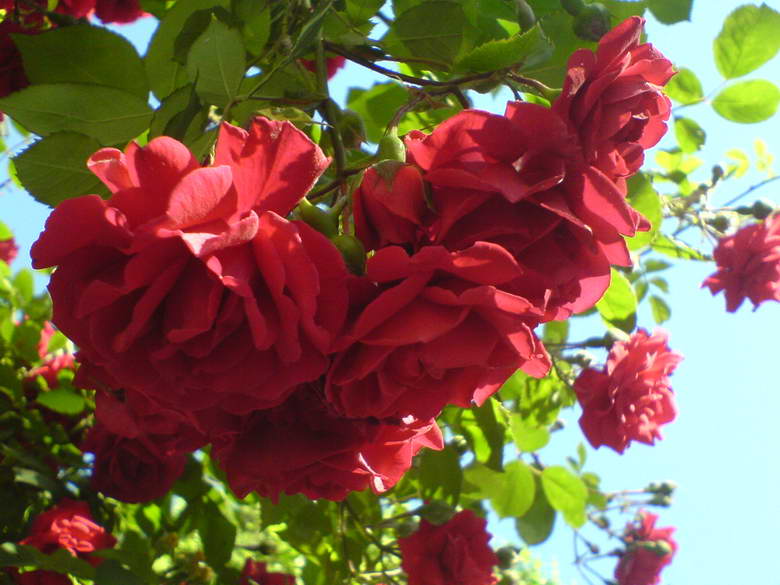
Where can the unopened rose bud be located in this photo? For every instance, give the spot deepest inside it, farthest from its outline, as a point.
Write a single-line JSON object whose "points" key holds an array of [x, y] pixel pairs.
{"points": [[352, 128], [507, 556], [660, 500], [720, 222], [717, 174], [593, 22], [322, 221], [601, 521], [391, 147], [664, 488], [573, 7], [436, 512], [525, 14], [762, 208], [658, 547], [352, 250]]}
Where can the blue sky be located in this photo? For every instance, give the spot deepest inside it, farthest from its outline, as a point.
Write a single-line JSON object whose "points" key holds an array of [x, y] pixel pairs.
{"points": [[722, 449]]}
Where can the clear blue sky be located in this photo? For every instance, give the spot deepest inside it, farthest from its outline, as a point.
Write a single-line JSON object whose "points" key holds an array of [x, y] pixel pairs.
{"points": [[722, 449]]}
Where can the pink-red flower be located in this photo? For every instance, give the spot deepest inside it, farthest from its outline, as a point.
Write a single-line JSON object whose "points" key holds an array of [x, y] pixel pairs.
{"points": [[648, 551], [631, 397], [52, 364], [304, 447], [188, 284], [453, 553], [68, 525], [255, 573], [332, 64], [437, 330], [8, 250], [613, 100], [748, 265], [12, 75]]}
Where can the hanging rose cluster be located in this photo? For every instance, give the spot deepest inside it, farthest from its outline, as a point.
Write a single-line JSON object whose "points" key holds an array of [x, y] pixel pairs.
{"points": [[204, 314]]}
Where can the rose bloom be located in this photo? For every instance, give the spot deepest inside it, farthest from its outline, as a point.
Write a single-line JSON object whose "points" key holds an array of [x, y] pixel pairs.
{"points": [[188, 284], [304, 447], [748, 265], [631, 397], [52, 364], [640, 565], [12, 76], [8, 250], [131, 469], [453, 553], [520, 181], [332, 64], [612, 98], [255, 573], [436, 330]]}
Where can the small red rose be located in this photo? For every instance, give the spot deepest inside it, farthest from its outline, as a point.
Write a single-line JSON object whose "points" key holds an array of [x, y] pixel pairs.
{"points": [[255, 573], [453, 553], [648, 551], [748, 265], [631, 397]]}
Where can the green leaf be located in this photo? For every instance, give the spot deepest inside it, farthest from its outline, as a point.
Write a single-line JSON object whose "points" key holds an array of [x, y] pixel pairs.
{"points": [[748, 102], [165, 74], [24, 284], [256, 23], [661, 311], [644, 198], [618, 305], [528, 437], [110, 116], [111, 571], [671, 11], [492, 422], [217, 533], [556, 332], [529, 49], [180, 116], [441, 476], [55, 168], [216, 63], [5, 232], [676, 249], [432, 30], [537, 523], [25, 340], [690, 136], [685, 87], [511, 492], [566, 493], [742, 162], [62, 400], [83, 54], [748, 39]]}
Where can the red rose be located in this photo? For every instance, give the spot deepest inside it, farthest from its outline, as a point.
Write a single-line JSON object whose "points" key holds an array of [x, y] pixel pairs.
{"points": [[437, 331], [631, 397], [118, 11], [303, 447], [649, 550], [12, 76], [132, 470], [8, 250], [748, 265], [613, 99], [53, 364], [389, 206], [39, 578], [187, 272], [521, 181], [69, 525], [454, 553], [76, 8], [255, 573], [332, 64]]}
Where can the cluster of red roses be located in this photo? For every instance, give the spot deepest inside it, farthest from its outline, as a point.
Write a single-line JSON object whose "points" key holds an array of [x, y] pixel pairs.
{"points": [[648, 551], [204, 315]]}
